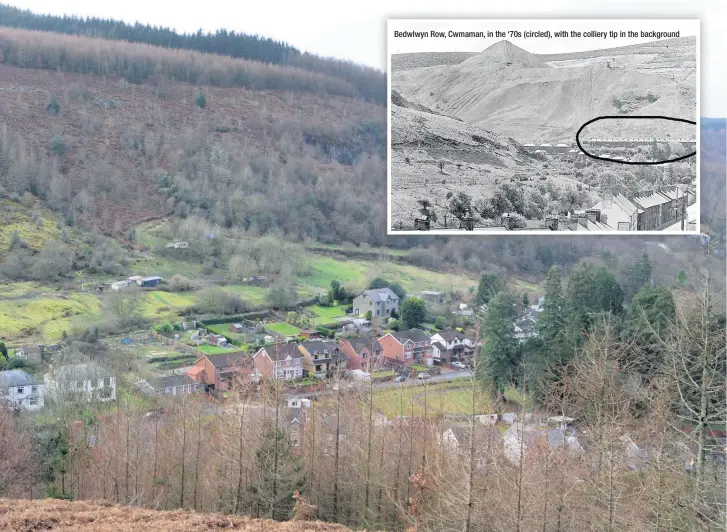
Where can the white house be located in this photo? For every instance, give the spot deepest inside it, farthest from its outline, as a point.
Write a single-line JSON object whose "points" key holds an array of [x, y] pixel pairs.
{"points": [[526, 327], [21, 390], [80, 381], [450, 345]]}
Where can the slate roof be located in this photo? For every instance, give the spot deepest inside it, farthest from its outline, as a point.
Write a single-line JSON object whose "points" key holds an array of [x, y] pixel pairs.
{"points": [[319, 346], [16, 377], [282, 351], [81, 371], [31, 349], [224, 360], [451, 335], [415, 335], [526, 324], [172, 381], [380, 294], [619, 211], [362, 342]]}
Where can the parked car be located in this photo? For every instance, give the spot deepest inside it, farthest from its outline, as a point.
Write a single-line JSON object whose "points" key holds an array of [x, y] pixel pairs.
{"points": [[459, 365], [423, 376], [400, 378]]}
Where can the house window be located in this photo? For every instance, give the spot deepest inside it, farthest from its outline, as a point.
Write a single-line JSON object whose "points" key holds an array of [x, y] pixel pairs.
{"points": [[33, 389], [20, 389], [33, 400], [79, 385], [295, 439], [107, 381], [407, 355]]}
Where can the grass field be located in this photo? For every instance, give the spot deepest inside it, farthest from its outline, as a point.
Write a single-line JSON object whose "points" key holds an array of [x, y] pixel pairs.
{"points": [[256, 295], [440, 398], [357, 273], [282, 328]]}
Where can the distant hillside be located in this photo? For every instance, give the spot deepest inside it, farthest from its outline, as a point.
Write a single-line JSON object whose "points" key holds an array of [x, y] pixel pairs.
{"points": [[667, 48], [427, 59], [515, 93], [82, 516], [369, 84]]}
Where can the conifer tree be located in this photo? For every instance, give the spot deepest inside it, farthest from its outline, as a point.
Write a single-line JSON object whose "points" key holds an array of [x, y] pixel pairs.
{"points": [[500, 353]]}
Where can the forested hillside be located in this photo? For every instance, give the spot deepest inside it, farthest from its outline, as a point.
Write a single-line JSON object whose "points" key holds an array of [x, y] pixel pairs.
{"points": [[368, 83], [261, 159]]}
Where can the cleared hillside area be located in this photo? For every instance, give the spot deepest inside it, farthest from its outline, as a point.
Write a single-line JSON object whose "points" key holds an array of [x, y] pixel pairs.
{"points": [[81, 516]]}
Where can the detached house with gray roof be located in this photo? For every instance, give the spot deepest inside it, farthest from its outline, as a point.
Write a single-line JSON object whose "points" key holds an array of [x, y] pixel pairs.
{"points": [[380, 301], [20, 390]]}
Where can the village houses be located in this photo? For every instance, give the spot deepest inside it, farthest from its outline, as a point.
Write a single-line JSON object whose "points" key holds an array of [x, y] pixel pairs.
{"points": [[407, 347], [322, 358], [87, 381], [362, 352], [217, 372], [280, 361], [20, 390]]}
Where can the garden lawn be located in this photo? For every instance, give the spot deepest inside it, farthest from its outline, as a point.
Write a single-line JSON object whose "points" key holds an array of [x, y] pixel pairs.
{"points": [[214, 350], [282, 328], [441, 398], [327, 314]]}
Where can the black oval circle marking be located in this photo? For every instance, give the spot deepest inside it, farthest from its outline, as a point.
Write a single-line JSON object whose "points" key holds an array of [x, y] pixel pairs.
{"points": [[648, 117]]}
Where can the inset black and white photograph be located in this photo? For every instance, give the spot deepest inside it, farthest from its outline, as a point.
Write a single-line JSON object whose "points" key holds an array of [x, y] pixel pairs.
{"points": [[543, 126]]}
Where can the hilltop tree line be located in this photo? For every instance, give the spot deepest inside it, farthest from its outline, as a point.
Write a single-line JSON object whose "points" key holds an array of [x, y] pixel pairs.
{"points": [[369, 84]]}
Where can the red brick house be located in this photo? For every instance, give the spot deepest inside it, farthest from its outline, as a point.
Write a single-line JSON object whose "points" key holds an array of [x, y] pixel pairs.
{"points": [[407, 347], [216, 372], [361, 352], [281, 361]]}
